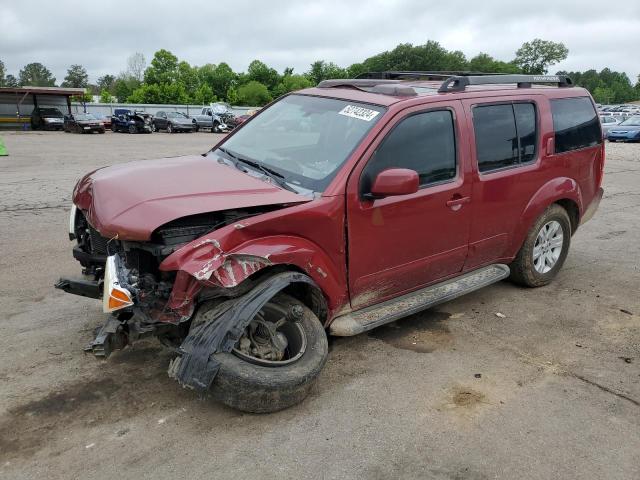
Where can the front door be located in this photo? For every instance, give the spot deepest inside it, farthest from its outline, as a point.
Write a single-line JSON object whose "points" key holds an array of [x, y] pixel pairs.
{"points": [[398, 244]]}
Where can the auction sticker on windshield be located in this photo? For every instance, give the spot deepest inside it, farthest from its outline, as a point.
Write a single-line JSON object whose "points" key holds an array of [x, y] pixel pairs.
{"points": [[360, 113]]}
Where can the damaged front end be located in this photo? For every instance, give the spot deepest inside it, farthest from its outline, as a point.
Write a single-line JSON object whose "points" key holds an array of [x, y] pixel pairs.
{"points": [[143, 299]]}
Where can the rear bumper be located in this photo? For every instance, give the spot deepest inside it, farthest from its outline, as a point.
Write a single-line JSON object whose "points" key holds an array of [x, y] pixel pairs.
{"points": [[593, 207]]}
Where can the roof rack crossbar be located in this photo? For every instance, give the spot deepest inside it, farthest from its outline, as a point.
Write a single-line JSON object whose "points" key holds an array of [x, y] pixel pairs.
{"points": [[415, 75], [458, 83]]}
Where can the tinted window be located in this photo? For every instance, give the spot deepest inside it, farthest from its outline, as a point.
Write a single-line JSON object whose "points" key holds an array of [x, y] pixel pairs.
{"points": [[496, 138], [505, 135], [424, 142], [525, 114], [575, 123]]}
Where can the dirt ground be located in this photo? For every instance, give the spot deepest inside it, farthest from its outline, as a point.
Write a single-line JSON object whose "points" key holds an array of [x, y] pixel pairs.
{"points": [[550, 391]]}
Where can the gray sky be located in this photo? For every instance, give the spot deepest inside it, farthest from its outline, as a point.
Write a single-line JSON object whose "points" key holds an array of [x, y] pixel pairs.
{"points": [[294, 33]]}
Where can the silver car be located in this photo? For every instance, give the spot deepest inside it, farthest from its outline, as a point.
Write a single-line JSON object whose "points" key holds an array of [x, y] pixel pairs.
{"points": [[609, 121]]}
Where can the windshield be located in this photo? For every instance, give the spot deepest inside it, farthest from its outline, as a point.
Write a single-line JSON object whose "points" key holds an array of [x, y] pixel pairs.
{"points": [[631, 122], [84, 116], [306, 139]]}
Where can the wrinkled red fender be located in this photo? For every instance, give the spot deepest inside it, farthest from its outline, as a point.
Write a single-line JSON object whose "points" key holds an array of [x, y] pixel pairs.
{"points": [[219, 263], [557, 189]]}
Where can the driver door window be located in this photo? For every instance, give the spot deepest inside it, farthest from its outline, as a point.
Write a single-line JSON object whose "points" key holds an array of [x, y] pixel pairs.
{"points": [[424, 142]]}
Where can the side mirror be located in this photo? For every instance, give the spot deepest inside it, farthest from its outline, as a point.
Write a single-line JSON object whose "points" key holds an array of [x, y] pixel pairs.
{"points": [[394, 182]]}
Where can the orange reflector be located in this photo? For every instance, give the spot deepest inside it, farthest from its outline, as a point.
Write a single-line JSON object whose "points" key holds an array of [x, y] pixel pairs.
{"points": [[118, 299]]}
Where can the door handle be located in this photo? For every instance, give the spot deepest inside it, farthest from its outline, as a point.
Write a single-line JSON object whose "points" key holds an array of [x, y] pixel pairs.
{"points": [[457, 201]]}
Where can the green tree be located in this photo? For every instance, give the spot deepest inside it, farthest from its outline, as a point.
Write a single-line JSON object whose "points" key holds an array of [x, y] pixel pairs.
{"points": [[204, 95], [220, 78], [124, 86], [105, 96], [291, 83], [163, 69], [321, 70], [606, 86], [163, 93], [485, 63], [261, 73], [2, 73], [106, 82], [537, 56], [11, 81], [188, 76], [36, 75], [232, 95], [77, 77], [253, 94]]}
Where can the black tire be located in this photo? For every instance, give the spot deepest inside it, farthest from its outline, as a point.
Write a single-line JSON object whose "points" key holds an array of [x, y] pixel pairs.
{"points": [[133, 129], [169, 128], [113, 127], [260, 389], [216, 127], [523, 270]]}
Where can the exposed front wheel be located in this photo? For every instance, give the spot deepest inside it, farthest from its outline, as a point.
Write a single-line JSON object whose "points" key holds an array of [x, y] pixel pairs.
{"points": [[544, 250], [132, 129], [169, 128], [216, 127], [277, 360]]}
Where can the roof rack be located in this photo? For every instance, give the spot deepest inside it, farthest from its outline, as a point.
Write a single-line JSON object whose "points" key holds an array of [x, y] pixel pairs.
{"points": [[418, 75], [458, 83], [391, 82]]}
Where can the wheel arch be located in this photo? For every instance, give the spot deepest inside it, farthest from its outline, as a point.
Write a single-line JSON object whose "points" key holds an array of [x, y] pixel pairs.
{"points": [[213, 267], [562, 190]]}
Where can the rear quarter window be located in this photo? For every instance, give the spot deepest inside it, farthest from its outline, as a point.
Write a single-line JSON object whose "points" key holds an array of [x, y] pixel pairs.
{"points": [[576, 124]]}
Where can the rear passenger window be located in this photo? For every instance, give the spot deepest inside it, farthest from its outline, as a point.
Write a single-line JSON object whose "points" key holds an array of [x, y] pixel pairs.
{"points": [[424, 142], [505, 135], [576, 124]]}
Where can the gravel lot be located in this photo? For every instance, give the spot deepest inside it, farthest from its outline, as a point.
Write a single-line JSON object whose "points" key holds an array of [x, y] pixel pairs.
{"points": [[550, 391]]}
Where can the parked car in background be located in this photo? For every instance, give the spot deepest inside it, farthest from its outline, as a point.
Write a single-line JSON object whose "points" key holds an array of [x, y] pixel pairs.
{"points": [[608, 121], [208, 119], [337, 209], [626, 131], [47, 118], [129, 121], [174, 122], [106, 119], [82, 123]]}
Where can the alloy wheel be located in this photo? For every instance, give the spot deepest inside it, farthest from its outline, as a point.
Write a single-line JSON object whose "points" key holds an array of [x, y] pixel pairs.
{"points": [[548, 246]]}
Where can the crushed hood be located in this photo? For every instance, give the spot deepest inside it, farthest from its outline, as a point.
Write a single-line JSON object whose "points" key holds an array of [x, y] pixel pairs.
{"points": [[132, 200]]}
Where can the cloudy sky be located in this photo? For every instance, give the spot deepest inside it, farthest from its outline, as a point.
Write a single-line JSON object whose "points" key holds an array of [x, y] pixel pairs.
{"points": [[282, 33]]}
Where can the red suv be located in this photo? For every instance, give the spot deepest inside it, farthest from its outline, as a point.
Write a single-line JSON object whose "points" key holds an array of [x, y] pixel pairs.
{"points": [[335, 209]]}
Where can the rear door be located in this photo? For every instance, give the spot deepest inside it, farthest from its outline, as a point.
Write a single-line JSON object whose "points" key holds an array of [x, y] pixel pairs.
{"points": [[398, 244], [506, 152]]}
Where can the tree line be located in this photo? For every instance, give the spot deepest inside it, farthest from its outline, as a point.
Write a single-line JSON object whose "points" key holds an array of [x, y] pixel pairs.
{"points": [[168, 79]]}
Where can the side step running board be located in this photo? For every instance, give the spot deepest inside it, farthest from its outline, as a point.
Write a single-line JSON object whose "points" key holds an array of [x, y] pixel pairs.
{"points": [[371, 317]]}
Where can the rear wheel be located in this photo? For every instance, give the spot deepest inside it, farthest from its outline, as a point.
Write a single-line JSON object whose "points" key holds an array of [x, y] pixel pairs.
{"points": [[544, 250], [277, 360], [113, 127]]}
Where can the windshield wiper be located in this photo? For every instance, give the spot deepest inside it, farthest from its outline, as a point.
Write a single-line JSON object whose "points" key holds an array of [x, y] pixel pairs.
{"points": [[277, 177]]}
